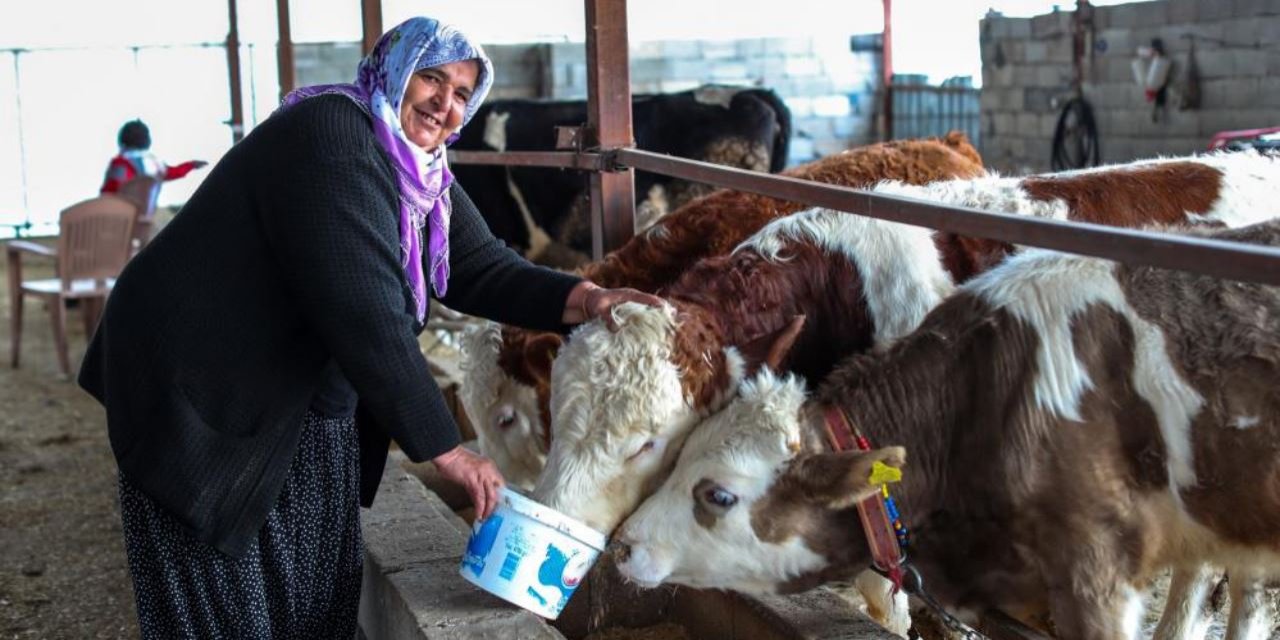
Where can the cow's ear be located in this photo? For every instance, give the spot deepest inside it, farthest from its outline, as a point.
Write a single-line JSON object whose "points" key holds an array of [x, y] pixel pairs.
{"points": [[539, 352], [771, 349], [839, 480]]}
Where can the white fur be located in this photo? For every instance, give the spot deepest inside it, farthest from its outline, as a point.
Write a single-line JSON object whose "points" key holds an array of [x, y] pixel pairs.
{"points": [[991, 192], [1046, 290], [1250, 187], [902, 274], [610, 394], [655, 207], [718, 95], [495, 130], [503, 412], [1134, 605], [1245, 422], [1250, 613], [1182, 618]]}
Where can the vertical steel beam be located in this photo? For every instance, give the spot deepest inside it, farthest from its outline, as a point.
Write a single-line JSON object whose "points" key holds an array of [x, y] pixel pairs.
{"points": [[233, 72], [371, 19], [613, 198], [284, 49], [886, 70]]}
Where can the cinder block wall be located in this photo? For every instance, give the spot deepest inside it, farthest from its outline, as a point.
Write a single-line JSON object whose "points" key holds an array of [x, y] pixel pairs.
{"points": [[1026, 72], [831, 91]]}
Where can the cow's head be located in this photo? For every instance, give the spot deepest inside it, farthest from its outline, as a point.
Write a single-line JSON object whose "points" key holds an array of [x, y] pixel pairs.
{"points": [[618, 414], [749, 506], [503, 389]]}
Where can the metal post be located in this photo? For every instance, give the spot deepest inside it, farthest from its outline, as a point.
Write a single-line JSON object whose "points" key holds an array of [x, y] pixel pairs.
{"points": [[886, 70], [233, 73], [609, 123], [284, 49], [371, 19]]}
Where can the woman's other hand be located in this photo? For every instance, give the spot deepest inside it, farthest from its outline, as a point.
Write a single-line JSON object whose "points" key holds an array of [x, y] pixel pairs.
{"points": [[476, 473], [589, 301]]}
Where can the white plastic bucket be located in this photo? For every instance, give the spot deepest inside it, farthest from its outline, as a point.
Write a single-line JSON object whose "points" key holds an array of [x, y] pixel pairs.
{"points": [[530, 555]]}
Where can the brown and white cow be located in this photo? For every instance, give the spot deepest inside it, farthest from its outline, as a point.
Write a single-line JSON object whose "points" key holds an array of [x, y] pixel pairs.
{"points": [[616, 430], [507, 370], [1072, 426], [621, 402]]}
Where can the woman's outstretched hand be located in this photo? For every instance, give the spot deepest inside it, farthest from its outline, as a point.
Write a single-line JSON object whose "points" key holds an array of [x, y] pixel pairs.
{"points": [[588, 301], [476, 473]]}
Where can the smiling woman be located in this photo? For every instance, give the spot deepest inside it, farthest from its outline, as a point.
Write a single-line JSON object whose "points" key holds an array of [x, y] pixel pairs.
{"points": [[242, 462]]}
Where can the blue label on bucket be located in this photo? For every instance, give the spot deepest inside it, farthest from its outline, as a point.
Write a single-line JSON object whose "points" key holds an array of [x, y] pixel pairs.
{"points": [[562, 572], [481, 544], [517, 544]]}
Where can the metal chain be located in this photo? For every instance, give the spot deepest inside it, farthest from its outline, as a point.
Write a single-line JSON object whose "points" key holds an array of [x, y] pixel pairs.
{"points": [[913, 584]]}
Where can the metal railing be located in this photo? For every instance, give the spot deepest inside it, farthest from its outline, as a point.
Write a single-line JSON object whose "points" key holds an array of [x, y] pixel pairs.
{"points": [[1207, 256]]}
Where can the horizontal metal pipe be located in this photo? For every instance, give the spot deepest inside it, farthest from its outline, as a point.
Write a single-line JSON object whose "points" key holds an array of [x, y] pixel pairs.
{"points": [[582, 161], [1230, 260]]}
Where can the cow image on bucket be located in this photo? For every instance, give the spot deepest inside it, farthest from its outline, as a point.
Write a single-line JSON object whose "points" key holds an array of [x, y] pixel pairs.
{"points": [[530, 555]]}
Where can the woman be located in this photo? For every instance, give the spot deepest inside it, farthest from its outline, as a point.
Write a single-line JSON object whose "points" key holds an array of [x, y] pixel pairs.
{"points": [[135, 159], [237, 350]]}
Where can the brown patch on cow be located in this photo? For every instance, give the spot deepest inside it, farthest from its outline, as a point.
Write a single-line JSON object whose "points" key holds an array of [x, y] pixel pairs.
{"points": [[1159, 193], [964, 257], [1227, 347], [1121, 197], [1125, 422], [745, 300]]}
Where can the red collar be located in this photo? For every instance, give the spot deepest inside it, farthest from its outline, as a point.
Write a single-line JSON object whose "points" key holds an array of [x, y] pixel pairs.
{"points": [[886, 554]]}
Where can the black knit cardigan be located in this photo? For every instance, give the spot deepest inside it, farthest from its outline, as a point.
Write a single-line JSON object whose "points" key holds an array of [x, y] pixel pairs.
{"points": [[285, 259]]}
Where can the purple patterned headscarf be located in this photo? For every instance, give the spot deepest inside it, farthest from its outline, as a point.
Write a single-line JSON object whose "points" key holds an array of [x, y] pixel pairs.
{"points": [[423, 177]]}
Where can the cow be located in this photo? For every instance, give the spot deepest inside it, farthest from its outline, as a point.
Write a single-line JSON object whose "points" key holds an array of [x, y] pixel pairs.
{"points": [[738, 127], [1072, 425], [901, 272], [622, 403], [507, 370]]}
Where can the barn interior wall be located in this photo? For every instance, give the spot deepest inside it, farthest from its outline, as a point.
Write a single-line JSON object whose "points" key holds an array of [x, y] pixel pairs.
{"points": [[832, 92], [1026, 71]]}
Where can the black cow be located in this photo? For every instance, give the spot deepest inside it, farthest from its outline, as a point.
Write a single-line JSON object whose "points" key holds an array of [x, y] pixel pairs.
{"points": [[748, 128]]}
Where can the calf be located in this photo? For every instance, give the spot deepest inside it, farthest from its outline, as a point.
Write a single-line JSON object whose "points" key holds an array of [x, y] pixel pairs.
{"points": [[1073, 425], [507, 370]]}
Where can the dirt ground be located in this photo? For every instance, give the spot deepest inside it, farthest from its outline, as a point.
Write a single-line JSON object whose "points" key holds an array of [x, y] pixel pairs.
{"points": [[62, 564], [63, 572]]}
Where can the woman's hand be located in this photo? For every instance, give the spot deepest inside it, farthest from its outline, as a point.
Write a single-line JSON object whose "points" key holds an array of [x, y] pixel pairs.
{"points": [[588, 301], [476, 473]]}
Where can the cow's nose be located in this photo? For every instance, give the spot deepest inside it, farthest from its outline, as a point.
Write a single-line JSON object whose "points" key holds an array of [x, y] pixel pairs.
{"points": [[621, 549]]}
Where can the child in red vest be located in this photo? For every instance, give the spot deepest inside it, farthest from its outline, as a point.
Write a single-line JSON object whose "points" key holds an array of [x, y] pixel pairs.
{"points": [[135, 159]]}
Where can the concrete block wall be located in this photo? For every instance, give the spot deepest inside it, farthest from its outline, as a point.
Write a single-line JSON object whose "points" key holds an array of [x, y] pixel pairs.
{"points": [[1026, 70], [832, 92]]}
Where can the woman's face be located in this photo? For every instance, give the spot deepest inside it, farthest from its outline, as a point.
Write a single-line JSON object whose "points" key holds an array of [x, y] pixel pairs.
{"points": [[435, 101]]}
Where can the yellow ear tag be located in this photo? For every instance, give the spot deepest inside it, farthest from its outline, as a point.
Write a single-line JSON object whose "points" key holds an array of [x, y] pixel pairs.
{"points": [[882, 473]]}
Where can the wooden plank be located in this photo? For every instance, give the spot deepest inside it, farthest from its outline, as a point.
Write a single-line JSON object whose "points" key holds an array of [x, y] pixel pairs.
{"points": [[609, 122], [886, 70], [284, 49], [233, 73], [371, 20]]}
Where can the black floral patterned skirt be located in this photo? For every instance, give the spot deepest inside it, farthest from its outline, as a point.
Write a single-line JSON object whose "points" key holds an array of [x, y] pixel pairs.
{"points": [[300, 579]]}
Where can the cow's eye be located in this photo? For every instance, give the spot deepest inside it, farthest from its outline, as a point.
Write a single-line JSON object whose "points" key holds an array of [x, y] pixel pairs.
{"points": [[644, 448], [720, 497], [506, 418]]}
